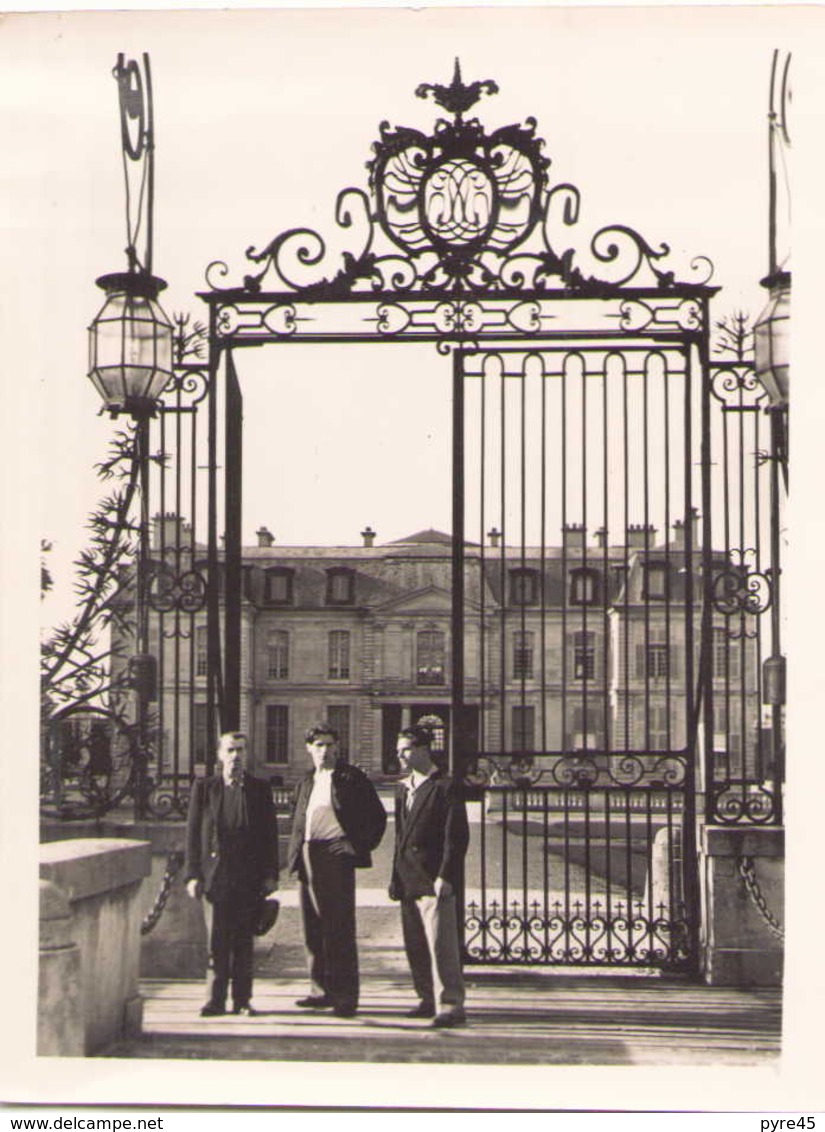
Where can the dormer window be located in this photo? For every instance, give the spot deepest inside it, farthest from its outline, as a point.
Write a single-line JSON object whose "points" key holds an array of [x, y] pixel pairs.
{"points": [[340, 586], [655, 581], [278, 586], [584, 587], [524, 587]]}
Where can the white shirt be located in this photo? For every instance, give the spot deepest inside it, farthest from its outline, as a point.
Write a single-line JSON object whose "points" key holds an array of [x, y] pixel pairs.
{"points": [[412, 782], [321, 822]]}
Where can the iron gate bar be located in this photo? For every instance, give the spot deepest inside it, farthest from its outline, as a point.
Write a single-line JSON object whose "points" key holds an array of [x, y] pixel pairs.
{"points": [[456, 753], [233, 481]]}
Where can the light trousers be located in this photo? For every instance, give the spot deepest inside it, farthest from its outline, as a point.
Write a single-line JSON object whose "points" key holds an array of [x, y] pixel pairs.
{"points": [[430, 928]]}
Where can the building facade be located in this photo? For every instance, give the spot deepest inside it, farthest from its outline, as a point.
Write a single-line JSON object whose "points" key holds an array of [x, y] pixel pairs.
{"points": [[580, 647]]}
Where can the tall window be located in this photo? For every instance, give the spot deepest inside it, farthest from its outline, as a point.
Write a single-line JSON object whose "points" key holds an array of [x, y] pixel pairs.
{"points": [[523, 655], [278, 586], [657, 658], [338, 716], [586, 726], [524, 727], [431, 655], [653, 656], [658, 724], [726, 726], [584, 587], [524, 587], [584, 655], [277, 733], [340, 586], [201, 651], [277, 655], [655, 581], [725, 655], [338, 668], [199, 733]]}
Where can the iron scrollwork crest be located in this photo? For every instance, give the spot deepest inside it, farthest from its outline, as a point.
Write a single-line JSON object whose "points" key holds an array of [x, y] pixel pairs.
{"points": [[458, 211], [740, 590], [168, 590]]}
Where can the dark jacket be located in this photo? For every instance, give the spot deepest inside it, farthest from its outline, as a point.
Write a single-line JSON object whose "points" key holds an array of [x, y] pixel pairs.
{"points": [[357, 807], [431, 838], [205, 836]]}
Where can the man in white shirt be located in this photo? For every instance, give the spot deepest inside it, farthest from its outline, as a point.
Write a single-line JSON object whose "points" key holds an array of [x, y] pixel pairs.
{"points": [[338, 820]]}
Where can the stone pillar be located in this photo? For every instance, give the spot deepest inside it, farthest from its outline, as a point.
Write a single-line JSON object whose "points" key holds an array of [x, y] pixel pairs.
{"points": [[738, 947], [59, 1005], [101, 878]]}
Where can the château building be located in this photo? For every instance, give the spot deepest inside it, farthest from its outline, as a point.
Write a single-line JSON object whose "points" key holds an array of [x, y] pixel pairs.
{"points": [[580, 647]]}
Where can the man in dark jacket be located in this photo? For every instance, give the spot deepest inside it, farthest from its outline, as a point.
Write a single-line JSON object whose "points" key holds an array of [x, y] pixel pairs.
{"points": [[338, 820], [431, 838], [232, 860]]}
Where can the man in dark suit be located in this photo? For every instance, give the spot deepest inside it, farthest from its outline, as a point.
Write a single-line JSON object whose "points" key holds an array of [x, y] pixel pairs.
{"points": [[431, 838], [232, 860], [338, 820]]}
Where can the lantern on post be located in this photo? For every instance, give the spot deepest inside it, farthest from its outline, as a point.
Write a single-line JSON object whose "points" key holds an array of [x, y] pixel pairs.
{"points": [[131, 339], [130, 344], [131, 362]]}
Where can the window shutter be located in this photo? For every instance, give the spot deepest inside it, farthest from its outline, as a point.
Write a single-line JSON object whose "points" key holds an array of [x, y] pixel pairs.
{"points": [[640, 662]]}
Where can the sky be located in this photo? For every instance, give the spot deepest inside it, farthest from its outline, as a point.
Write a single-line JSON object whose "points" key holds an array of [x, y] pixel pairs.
{"points": [[657, 116]]}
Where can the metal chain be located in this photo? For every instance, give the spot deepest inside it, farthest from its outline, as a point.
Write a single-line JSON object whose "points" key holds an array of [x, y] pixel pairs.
{"points": [[174, 864], [747, 871]]}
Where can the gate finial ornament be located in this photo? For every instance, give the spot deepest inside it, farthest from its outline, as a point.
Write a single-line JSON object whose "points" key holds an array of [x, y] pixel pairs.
{"points": [[457, 98]]}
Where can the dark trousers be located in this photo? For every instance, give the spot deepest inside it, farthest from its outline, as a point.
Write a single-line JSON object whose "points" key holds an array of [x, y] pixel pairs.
{"points": [[328, 908], [230, 922]]}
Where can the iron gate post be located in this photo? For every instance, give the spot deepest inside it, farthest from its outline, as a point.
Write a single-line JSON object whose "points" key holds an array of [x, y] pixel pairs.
{"points": [[213, 673], [142, 692]]}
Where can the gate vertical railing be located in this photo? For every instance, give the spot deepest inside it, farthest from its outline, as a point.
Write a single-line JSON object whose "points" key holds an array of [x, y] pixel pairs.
{"points": [[741, 583]]}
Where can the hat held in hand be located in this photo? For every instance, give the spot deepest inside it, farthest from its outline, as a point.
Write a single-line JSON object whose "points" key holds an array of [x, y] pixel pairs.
{"points": [[267, 915]]}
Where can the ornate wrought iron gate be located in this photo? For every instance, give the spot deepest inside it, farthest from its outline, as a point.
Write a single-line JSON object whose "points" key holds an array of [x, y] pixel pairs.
{"points": [[581, 646], [591, 620]]}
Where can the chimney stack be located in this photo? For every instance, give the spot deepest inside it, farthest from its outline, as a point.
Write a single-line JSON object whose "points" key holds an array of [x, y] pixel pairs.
{"points": [[265, 536], [601, 537], [640, 535], [679, 529], [368, 535], [494, 535], [573, 537], [169, 531]]}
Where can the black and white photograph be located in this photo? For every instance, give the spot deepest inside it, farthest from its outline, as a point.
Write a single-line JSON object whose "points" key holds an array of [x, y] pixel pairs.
{"points": [[402, 612]]}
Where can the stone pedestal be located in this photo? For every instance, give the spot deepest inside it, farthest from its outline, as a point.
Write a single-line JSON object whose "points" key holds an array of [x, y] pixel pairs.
{"points": [[100, 879], [738, 946], [60, 1031]]}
